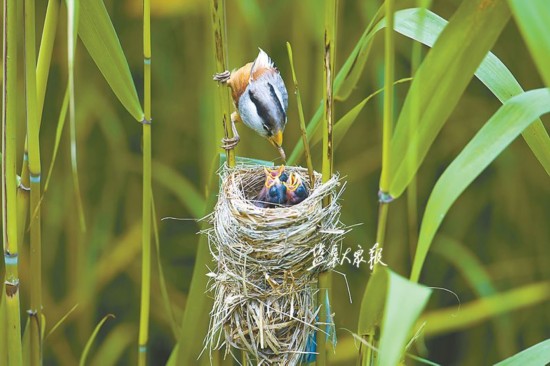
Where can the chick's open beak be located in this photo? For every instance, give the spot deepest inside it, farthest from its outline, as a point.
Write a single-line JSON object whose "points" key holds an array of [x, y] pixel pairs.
{"points": [[277, 141]]}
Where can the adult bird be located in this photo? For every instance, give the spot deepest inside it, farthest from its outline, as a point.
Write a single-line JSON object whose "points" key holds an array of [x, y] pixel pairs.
{"points": [[260, 98]]}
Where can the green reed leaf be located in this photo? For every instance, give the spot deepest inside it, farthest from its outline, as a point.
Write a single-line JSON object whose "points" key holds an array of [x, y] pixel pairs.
{"points": [[425, 27], [440, 82], [533, 17], [100, 39], [90, 341], [501, 129], [444, 321], [404, 302], [539, 354], [394, 304]]}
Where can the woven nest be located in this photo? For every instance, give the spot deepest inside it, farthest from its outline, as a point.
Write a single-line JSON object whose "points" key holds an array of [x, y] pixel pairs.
{"points": [[264, 285]]}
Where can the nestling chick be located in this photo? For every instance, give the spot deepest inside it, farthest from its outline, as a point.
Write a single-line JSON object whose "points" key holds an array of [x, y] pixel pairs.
{"points": [[296, 190], [276, 172], [274, 191], [260, 97]]}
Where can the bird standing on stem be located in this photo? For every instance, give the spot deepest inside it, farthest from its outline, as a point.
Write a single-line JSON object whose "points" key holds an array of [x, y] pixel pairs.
{"points": [[261, 100]]}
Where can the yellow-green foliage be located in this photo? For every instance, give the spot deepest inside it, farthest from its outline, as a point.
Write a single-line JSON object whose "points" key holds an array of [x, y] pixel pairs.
{"points": [[482, 232]]}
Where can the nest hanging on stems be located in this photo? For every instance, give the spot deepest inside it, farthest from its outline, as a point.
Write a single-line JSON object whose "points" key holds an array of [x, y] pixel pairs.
{"points": [[265, 283]]}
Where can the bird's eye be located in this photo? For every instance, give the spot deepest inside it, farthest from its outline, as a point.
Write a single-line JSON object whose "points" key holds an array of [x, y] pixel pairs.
{"points": [[265, 127]]}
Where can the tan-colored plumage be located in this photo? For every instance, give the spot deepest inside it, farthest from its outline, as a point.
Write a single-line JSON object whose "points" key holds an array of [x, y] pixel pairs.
{"points": [[260, 100], [240, 78]]}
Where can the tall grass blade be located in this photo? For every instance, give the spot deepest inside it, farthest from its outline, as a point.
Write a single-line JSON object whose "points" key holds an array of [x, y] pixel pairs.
{"points": [[35, 172], [3, 323], [147, 191], [389, 71], [539, 354], [10, 286], [351, 70], [112, 349], [60, 321], [45, 54], [197, 307], [440, 82], [73, 11], [425, 27], [443, 321], [501, 129], [392, 304], [163, 290], [404, 303], [58, 133], [301, 115], [372, 304], [42, 73], [533, 17], [344, 82], [100, 39], [324, 296], [217, 8], [89, 343]]}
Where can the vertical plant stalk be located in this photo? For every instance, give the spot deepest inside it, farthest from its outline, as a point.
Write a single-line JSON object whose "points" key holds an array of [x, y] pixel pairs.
{"points": [[217, 8], [35, 169], [387, 129], [412, 204], [368, 356], [147, 207], [73, 7], [42, 72], [301, 116], [325, 278], [9, 183]]}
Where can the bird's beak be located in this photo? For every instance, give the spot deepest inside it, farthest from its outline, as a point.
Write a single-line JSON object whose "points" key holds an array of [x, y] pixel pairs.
{"points": [[277, 141]]}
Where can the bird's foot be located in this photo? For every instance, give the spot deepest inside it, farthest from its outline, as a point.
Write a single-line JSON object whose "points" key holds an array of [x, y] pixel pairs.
{"points": [[230, 143], [222, 77]]}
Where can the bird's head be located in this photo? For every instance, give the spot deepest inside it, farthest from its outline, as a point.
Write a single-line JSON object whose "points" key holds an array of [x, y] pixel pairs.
{"points": [[274, 173]]}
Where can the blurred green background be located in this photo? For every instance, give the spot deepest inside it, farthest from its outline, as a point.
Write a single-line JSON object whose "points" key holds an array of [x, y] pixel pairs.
{"points": [[501, 221]]}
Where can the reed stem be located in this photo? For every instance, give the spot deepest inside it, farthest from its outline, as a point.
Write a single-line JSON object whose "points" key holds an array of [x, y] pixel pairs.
{"points": [[369, 357], [217, 8], [301, 117], [12, 328], [146, 208], [387, 129], [42, 72], [35, 171], [325, 278]]}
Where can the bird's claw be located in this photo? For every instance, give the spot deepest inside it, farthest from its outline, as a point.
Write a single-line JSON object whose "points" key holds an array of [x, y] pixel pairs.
{"points": [[222, 77], [230, 143]]}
